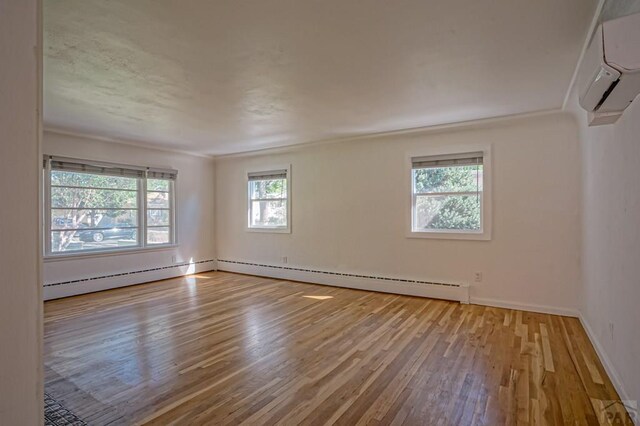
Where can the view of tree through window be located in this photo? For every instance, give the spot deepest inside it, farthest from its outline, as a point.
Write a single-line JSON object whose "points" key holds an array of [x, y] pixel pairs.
{"points": [[268, 203], [95, 207], [447, 198], [90, 211]]}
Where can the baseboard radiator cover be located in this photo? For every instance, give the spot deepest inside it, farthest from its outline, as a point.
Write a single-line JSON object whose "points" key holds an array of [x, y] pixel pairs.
{"points": [[56, 290], [458, 292]]}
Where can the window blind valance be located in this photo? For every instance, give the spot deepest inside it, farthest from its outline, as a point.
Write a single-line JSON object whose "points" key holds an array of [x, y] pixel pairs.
{"points": [[107, 169], [464, 159], [270, 175], [165, 174]]}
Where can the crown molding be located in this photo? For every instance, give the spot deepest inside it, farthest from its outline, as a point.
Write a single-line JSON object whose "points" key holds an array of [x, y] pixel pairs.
{"points": [[137, 144], [413, 130]]}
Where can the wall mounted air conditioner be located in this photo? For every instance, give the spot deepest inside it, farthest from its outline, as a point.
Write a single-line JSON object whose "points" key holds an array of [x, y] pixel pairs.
{"points": [[609, 78]]}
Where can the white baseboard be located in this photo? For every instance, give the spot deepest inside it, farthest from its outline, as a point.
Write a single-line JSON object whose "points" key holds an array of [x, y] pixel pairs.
{"points": [[606, 362], [458, 292], [542, 309], [455, 291], [123, 279]]}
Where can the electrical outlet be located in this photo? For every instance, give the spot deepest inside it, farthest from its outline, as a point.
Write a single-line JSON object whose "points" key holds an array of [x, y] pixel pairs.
{"points": [[477, 277], [173, 259], [285, 259]]}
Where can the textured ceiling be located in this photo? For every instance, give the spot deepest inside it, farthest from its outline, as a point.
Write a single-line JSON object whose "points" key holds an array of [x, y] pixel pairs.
{"points": [[219, 77]]}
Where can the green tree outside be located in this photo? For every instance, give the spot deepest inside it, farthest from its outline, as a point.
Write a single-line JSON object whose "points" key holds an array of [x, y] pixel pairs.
{"points": [[86, 200], [459, 212], [270, 213]]}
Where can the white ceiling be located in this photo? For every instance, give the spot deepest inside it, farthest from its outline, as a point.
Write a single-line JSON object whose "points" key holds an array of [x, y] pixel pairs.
{"points": [[219, 77]]}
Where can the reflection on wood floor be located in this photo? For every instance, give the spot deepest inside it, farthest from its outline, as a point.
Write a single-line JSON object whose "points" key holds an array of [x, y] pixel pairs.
{"points": [[222, 348]]}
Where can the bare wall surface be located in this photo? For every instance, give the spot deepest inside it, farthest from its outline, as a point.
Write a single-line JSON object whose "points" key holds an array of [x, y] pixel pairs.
{"points": [[349, 213], [194, 211], [611, 242], [610, 249], [21, 401]]}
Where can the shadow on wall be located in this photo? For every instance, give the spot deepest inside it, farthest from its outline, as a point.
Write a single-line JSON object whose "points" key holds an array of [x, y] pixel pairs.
{"points": [[613, 9]]}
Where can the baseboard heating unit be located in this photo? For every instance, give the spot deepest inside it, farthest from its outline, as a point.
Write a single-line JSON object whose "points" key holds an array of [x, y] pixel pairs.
{"points": [[412, 287], [56, 290]]}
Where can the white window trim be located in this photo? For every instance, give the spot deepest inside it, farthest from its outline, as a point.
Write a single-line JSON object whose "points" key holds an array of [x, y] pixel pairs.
{"points": [[142, 246], [487, 200], [267, 229], [77, 254]]}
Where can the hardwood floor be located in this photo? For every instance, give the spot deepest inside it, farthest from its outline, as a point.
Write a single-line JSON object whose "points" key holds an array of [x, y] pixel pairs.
{"points": [[221, 348]]}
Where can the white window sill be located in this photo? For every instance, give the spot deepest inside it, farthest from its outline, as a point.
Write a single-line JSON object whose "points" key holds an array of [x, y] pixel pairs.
{"points": [[450, 235], [270, 230], [103, 253]]}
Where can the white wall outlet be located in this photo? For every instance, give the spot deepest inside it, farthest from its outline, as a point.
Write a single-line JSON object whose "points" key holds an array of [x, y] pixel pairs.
{"points": [[285, 259], [477, 277], [173, 259]]}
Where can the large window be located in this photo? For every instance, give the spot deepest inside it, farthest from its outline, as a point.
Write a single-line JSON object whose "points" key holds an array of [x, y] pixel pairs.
{"points": [[268, 208], [103, 207], [448, 195]]}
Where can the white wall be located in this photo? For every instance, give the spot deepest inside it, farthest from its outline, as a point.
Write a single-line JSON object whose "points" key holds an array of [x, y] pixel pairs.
{"points": [[348, 212], [194, 215], [611, 244], [21, 398]]}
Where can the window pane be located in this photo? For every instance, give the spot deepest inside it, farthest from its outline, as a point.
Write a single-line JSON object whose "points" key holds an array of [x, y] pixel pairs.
{"points": [[62, 241], [268, 214], [93, 198], [82, 218], [157, 200], [87, 180], [451, 212], [158, 217], [260, 189], [158, 235], [157, 185], [448, 179], [158, 213], [91, 212]]}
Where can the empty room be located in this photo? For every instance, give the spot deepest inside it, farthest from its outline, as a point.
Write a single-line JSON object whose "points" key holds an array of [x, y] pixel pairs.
{"points": [[261, 212]]}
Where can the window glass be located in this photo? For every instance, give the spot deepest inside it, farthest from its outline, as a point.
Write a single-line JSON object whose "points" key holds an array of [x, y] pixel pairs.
{"points": [[268, 203], [159, 213], [158, 235], [95, 210], [92, 212], [447, 198], [269, 213]]}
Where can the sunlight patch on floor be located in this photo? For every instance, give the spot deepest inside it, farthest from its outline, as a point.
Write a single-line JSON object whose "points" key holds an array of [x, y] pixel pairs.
{"points": [[319, 297]]}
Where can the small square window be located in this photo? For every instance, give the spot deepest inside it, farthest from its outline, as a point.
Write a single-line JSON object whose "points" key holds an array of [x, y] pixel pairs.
{"points": [[448, 196], [268, 200]]}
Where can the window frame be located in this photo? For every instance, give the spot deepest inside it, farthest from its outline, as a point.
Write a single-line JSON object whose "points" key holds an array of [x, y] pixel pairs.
{"points": [[268, 229], [141, 216], [486, 202]]}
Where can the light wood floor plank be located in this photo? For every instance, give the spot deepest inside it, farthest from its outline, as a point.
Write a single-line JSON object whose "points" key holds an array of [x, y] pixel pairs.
{"points": [[221, 348]]}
